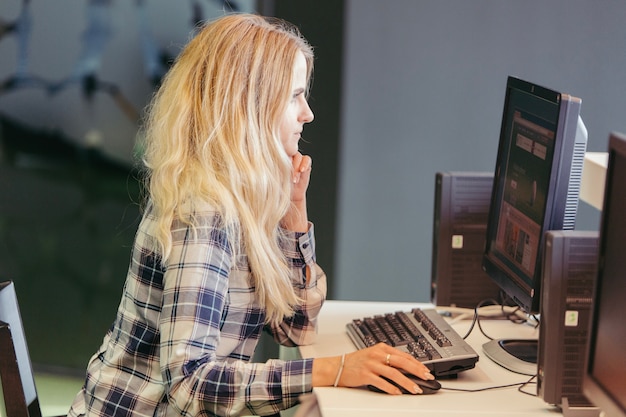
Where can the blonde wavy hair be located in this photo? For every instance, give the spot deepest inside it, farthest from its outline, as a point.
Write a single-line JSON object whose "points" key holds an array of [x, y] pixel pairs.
{"points": [[211, 136]]}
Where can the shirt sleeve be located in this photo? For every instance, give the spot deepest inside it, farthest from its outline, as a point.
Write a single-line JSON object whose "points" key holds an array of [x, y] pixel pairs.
{"points": [[309, 282], [194, 297]]}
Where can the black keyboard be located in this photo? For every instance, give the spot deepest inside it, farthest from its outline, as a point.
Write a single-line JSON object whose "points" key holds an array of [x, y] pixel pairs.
{"points": [[421, 332]]}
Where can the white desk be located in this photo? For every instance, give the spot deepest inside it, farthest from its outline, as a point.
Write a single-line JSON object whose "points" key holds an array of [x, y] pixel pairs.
{"points": [[345, 402]]}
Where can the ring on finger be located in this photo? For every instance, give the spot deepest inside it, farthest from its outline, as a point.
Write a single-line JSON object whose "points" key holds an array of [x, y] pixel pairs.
{"points": [[387, 359]]}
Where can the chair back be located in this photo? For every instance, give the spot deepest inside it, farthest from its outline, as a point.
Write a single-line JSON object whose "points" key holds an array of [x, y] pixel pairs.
{"points": [[16, 373]]}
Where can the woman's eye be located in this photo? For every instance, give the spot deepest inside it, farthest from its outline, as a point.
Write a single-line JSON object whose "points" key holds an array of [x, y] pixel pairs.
{"points": [[296, 94]]}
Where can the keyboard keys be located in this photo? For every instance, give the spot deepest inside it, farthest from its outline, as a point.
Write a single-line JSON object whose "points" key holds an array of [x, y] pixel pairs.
{"points": [[422, 333]]}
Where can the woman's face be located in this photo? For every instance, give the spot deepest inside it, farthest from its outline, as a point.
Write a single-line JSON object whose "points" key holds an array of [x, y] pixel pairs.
{"points": [[298, 111]]}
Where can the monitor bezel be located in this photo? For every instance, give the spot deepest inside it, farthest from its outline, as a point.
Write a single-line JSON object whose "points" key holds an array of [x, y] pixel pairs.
{"points": [[567, 108]]}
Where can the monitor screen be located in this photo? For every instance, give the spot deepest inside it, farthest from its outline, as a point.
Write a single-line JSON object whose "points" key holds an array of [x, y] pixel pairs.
{"points": [[604, 382], [536, 185]]}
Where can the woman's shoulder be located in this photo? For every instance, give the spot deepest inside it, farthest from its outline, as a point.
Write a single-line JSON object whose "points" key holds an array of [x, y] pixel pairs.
{"points": [[197, 215]]}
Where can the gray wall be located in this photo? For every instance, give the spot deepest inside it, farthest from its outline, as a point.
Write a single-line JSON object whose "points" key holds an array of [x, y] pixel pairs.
{"points": [[423, 89]]}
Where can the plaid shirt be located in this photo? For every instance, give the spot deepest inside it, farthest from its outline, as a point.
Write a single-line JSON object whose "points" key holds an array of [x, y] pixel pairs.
{"points": [[185, 332]]}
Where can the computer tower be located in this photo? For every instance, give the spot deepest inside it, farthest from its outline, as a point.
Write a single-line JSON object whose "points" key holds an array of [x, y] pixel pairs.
{"points": [[569, 273], [459, 227]]}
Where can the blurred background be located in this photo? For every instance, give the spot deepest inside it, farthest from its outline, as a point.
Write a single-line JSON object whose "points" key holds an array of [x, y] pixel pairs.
{"points": [[75, 76]]}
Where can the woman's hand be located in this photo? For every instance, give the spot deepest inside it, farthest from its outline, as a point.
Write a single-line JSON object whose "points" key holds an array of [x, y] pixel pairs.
{"points": [[296, 218], [368, 366], [301, 175]]}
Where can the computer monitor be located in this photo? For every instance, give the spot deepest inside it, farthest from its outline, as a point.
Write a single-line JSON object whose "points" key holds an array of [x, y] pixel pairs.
{"points": [[536, 187], [604, 381]]}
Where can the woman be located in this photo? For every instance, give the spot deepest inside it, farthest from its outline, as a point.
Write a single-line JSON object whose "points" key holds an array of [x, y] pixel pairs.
{"points": [[225, 249]]}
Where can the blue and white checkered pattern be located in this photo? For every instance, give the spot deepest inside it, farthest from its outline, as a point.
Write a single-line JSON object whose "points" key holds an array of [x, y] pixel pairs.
{"points": [[185, 332]]}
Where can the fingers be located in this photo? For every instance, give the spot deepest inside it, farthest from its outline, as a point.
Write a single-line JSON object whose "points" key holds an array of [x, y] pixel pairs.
{"points": [[392, 384], [301, 166], [418, 369], [385, 368], [397, 364], [404, 361], [301, 175]]}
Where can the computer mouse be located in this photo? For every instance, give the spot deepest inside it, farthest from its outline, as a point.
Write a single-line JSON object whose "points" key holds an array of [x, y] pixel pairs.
{"points": [[427, 386]]}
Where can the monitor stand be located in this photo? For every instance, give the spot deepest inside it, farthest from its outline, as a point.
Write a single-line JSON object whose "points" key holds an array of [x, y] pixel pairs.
{"points": [[516, 355]]}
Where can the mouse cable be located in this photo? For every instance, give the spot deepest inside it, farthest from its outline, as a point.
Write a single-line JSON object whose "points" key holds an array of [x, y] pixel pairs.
{"points": [[520, 386]]}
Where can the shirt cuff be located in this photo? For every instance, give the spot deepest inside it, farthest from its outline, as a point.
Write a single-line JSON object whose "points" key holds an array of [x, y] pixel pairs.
{"points": [[306, 244], [297, 379]]}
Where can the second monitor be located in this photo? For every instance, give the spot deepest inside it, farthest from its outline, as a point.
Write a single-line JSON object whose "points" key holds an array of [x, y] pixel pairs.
{"points": [[536, 188]]}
